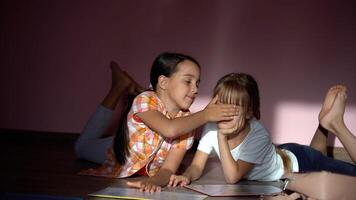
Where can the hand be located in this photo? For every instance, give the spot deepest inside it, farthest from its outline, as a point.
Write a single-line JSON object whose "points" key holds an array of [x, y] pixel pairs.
{"points": [[178, 180], [144, 186], [232, 126], [214, 112]]}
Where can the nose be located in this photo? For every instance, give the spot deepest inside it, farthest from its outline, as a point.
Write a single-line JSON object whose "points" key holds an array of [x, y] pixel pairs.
{"points": [[194, 89]]}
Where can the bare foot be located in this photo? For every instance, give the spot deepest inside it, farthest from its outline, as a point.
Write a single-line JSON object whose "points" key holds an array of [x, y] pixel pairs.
{"points": [[329, 99], [134, 87], [121, 85], [333, 120], [119, 79]]}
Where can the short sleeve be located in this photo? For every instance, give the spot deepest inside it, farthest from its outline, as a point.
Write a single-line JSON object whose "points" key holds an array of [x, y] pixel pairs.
{"points": [[145, 102], [184, 142], [256, 147], [209, 135]]}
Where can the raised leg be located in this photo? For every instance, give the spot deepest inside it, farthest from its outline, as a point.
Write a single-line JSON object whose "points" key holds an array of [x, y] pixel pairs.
{"points": [[320, 138], [333, 121], [121, 84], [91, 145]]}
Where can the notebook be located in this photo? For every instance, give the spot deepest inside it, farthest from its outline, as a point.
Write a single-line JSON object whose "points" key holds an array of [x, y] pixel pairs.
{"points": [[235, 190]]}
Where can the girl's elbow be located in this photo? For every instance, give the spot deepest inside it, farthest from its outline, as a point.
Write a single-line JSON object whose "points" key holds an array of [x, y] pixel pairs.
{"points": [[171, 133], [232, 179], [168, 134]]}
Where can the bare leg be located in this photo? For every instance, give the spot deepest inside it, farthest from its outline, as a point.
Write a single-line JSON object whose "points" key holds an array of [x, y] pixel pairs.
{"points": [[334, 122], [91, 145], [320, 138], [121, 82], [323, 185]]}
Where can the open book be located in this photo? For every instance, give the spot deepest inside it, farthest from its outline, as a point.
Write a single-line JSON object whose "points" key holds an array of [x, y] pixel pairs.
{"points": [[235, 189], [135, 194]]}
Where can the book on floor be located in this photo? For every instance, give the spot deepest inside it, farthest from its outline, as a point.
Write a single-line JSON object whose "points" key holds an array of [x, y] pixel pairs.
{"points": [[135, 194], [235, 189]]}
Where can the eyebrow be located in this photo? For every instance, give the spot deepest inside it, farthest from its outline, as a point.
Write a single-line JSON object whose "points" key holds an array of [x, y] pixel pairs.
{"points": [[191, 75]]}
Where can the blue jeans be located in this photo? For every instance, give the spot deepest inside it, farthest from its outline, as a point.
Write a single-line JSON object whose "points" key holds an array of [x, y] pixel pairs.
{"points": [[310, 160]]}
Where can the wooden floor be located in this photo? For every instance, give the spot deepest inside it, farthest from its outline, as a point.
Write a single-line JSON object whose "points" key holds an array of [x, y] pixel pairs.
{"points": [[45, 164]]}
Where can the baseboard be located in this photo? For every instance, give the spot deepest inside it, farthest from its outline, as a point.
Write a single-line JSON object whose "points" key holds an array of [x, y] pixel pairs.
{"points": [[34, 136], [339, 153]]}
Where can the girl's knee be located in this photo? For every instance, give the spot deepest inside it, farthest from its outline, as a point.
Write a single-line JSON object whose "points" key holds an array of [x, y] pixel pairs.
{"points": [[79, 147]]}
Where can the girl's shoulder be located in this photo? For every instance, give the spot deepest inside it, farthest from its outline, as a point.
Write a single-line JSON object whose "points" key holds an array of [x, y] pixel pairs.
{"points": [[257, 127], [147, 93], [256, 123], [147, 97], [210, 129], [147, 100]]}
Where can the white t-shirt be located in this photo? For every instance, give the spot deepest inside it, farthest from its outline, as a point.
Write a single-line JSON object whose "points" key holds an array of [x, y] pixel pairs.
{"points": [[256, 148]]}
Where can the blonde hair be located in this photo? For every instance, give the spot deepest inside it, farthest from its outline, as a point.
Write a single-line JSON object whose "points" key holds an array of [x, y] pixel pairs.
{"points": [[240, 89]]}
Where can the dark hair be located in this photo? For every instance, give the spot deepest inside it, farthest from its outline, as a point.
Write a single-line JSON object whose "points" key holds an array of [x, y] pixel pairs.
{"points": [[240, 88], [165, 64]]}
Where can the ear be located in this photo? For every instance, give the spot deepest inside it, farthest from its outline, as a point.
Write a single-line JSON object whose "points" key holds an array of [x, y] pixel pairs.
{"points": [[162, 82]]}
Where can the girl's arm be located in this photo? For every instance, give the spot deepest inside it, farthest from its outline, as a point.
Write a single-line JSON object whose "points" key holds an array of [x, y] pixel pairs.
{"points": [[197, 166], [169, 167], [193, 172], [172, 128], [233, 170]]}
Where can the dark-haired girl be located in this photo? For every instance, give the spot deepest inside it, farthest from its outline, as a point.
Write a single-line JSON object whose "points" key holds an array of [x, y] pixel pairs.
{"points": [[156, 129]]}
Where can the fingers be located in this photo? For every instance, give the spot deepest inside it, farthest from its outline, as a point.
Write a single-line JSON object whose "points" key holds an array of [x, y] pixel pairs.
{"points": [[229, 110], [144, 186], [232, 127], [226, 111], [214, 100], [174, 181], [171, 180], [136, 184]]}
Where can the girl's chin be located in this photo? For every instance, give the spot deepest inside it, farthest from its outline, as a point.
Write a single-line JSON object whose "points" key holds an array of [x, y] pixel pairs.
{"points": [[224, 127], [186, 106]]}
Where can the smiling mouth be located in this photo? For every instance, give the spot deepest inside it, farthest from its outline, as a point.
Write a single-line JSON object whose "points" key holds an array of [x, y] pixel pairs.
{"points": [[191, 98], [225, 121]]}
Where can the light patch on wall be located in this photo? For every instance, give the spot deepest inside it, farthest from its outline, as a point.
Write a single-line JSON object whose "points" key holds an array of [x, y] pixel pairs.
{"points": [[294, 121], [200, 103], [297, 122]]}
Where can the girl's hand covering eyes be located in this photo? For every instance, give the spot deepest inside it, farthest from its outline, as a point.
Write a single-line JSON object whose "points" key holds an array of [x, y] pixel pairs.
{"points": [[214, 112]]}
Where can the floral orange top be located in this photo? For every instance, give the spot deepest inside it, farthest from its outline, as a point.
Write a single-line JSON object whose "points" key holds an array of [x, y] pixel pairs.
{"points": [[147, 148]]}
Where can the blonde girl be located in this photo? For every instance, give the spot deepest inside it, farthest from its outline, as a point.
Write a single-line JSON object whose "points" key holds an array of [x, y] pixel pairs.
{"points": [[244, 145]]}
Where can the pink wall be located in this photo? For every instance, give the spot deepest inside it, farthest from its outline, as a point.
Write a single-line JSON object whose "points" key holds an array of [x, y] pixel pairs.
{"points": [[55, 55]]}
